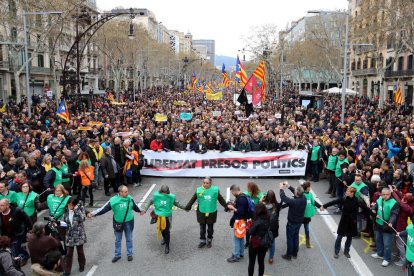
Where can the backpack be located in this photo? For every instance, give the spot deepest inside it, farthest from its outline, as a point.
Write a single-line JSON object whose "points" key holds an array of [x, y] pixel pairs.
{"points": [[250, 204], [267, 239], [274, 224]]}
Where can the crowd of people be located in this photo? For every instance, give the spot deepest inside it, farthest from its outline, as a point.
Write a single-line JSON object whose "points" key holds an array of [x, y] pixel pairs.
{"points": [[49, 164]]}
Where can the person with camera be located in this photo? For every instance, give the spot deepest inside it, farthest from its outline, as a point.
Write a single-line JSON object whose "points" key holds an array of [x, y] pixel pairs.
{"points": [[15, 224], [122, 206], [39, 243], [57, 202], [163, 203], [74, 218], [9, 266], [296, 214], [207, 196]]}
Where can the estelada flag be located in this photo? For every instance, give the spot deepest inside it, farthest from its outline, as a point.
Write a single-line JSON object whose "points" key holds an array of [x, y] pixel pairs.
{"points": [[63, 112]]}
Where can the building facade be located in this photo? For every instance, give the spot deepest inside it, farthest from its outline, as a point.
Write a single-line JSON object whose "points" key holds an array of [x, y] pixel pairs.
{"points": [[211, 48]]}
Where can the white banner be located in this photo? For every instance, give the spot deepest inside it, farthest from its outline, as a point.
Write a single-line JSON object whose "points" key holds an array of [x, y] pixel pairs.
{"points": [[229, 163]]}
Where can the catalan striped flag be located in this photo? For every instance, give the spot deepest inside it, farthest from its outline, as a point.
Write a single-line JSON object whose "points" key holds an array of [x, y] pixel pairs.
{"points": [[398, 94], [226, 80], [194, 81], [241, 76], [63, 112], [260, 74]]}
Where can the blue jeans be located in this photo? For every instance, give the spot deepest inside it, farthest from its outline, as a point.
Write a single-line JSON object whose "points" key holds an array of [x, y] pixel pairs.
{"points": [[128, 229], [338, 244], [17, 250], [384, 244], [272, 249], [238, 246], [292, 237], [96, 174]]}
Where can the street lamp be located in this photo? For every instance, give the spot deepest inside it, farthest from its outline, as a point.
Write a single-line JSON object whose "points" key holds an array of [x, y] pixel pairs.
{"points": [[26, 55]]}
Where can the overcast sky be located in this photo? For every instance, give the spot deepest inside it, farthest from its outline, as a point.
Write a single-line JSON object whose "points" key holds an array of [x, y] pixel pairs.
{"points": [[225, 21]]}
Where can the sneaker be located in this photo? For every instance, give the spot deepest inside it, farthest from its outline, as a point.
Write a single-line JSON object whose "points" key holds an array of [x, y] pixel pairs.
{"points": [[376, 256], [399, 263], [336, 256], [233, 259], [136, 185], [347, 255], [115, 259], [385, 263]]}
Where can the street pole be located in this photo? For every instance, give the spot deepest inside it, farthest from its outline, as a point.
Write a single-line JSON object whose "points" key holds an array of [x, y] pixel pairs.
{"points": [[281, 74], [344, 81], [26, 57]]}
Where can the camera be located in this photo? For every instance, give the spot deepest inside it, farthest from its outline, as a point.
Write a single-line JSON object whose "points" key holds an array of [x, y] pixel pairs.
{"points": [[52, 227]]}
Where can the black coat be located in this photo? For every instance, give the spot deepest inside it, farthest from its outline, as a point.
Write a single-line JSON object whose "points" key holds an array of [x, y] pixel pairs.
{"points": [[20, 223], [348, 223]]}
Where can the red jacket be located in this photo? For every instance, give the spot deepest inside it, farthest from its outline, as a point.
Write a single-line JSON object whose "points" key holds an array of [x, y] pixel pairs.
{"points": [[405, 212], [155, 145]]}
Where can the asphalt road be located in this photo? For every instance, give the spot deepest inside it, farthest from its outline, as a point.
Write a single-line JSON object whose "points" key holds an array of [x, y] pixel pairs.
{"points": [[186, 259]]}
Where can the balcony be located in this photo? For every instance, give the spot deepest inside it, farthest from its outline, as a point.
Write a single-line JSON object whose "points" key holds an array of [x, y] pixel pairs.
{"points": [[4, 65], [39, 70], [364, 72], [399, 73]]}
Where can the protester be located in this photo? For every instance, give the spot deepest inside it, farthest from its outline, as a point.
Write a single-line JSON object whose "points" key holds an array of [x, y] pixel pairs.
{"points": [[273, 208], [122, 206], [163, 203], [39, 244], [57, 202], [207, 196], [257, 231], [8, 265], [87, 175], [28, 201], [240, 209], [110, 170], [297, 206], [254, 193]]}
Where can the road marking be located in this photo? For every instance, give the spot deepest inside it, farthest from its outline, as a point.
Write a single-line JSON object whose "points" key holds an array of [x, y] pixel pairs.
{"points": [[146, 195], [323, 254], [359, 265], [228, 194], [369, 242], [92, 270], [302, 240]]}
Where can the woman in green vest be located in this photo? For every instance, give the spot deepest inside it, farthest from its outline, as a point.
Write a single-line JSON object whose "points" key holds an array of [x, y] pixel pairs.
{"points": [[55, 176], [316, 156], [310, 211], [207, 196], [256, 196], [330, 167], [28, 201], [64, 168], [163, 203], [57, 202], [409, 254]]}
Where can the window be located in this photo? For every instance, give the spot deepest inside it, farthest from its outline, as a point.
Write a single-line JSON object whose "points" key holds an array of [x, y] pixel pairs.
{"points": [[410, 62], [40, 61], [359, 64], [365, 63], [14, 34], [400, 63], [373, 63], [390, 41], [38, 20], [12, 7]]}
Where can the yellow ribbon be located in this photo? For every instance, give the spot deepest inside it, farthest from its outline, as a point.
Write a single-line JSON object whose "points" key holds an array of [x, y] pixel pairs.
{"points": [[161, 225]]}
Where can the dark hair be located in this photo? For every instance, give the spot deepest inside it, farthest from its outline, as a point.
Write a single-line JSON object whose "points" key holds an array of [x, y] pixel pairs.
{"points": [[253, 189], [51, 259], [4, 242], [306, 185], [38, 228], [342, 152], [73, 200], [270, 198], [260, 210]]}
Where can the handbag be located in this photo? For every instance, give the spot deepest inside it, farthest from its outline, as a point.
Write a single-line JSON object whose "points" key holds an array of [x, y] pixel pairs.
{"points": [[119, 227]]}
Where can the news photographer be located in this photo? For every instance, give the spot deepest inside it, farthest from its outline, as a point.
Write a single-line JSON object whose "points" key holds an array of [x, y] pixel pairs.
{"points": [[74, 218], [39, 243]]}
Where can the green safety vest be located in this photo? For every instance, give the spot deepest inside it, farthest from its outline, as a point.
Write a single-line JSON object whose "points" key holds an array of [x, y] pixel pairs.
{"points": [[385, 213], [207, 199], [338, 170], [11, 196], [57, 205], [310, 210], [58, 178], [119, 206], [358, 188], [255, 199], [64, 169], [410, 243], [315, 153], [29, 206], [163, 204], [331, 162]]}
